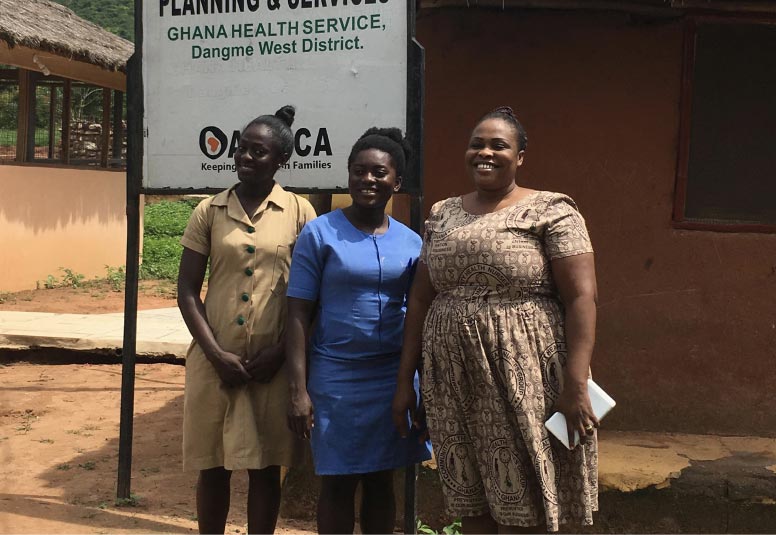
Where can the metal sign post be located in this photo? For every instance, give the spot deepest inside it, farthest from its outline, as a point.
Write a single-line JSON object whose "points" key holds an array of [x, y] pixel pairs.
{"points": [[134, 180]]}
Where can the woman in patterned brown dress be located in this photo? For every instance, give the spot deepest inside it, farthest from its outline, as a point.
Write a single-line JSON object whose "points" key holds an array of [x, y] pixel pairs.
{"points": [[506, 284]]}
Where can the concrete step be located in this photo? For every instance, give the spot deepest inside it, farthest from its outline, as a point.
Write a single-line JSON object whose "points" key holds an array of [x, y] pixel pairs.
{"points": [[649, 483]]}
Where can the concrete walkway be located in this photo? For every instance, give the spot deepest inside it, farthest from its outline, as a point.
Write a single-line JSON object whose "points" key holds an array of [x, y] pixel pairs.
{"points": [[649, 482], [159, 332]]}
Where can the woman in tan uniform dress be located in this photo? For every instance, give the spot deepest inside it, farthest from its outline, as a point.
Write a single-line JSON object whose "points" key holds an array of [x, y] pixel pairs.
{"points": [[236, 391], [506, 284]]}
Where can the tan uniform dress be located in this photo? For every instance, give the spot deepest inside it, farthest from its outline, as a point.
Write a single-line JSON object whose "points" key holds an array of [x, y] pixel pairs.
{"points": [[243, 427], [494, 349]]}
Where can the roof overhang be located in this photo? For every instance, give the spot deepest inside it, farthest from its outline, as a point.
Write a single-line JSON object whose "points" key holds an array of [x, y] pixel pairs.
{"points": [[43, 61]]}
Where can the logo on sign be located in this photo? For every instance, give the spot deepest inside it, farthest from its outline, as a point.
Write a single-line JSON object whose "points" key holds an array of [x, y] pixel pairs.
{"points": [[213, 142]]}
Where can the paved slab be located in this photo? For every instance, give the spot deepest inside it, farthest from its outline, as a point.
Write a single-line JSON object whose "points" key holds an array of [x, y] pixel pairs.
{"points": [[159, 332]]}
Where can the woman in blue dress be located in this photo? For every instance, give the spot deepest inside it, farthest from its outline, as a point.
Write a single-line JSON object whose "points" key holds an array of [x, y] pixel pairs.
{"points": [[352, 269]]}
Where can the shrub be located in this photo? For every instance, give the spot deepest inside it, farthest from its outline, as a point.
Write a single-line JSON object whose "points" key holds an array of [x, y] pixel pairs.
{"points": [[164, 224]]}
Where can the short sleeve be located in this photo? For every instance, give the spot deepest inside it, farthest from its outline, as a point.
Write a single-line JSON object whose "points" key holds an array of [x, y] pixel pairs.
{"points": [[197, 234], [304, 280], [428, 230], [566, 232]]}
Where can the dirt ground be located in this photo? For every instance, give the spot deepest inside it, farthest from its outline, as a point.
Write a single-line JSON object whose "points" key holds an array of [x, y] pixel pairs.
{"points": [[59, 433], [93, 297]]}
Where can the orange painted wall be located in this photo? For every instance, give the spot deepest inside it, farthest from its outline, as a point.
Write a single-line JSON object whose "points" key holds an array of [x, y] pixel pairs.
{"points": [[56, 217], [687, 320]]}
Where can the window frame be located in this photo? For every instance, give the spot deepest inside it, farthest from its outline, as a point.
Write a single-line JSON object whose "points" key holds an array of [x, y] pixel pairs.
{"points": [[111, 118], [679, 221]]}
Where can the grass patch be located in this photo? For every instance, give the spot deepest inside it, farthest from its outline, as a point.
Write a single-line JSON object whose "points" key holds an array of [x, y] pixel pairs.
{"points": [[88, 465], [27, 417], [164, 224], [161, 257], [79, 432], [116, 277], [132, 501], [63, 466]]}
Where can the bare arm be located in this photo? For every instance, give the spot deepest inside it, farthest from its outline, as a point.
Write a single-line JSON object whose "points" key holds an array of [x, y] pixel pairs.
{"points": [[300, 408], [575, 278], [422, 294], [191, 275]]}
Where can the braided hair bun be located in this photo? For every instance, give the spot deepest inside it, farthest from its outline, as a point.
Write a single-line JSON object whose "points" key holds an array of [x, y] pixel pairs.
{"points": [[280, 125], [286, 114]]}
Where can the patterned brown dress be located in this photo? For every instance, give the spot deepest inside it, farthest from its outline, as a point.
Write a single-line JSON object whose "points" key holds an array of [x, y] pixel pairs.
{"points": [[493, 357]]}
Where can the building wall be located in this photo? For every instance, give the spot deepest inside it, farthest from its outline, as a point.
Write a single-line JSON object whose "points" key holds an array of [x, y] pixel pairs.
{"points": [[52, 217], [687, 329]]}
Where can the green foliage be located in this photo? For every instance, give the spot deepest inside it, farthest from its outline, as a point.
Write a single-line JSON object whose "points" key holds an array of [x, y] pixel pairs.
{"points": [[168, 218], [420, 527], [71, 278], [164, 224], [452, 529], [7, 135], [161, 257], [116, 16], [116, 277], [132, 501], [50, 282], [9, 109]]}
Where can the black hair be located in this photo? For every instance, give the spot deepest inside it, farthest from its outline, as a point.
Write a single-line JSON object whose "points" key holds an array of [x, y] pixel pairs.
{"points": [[388, 140], [280, 126], [506, 114]]}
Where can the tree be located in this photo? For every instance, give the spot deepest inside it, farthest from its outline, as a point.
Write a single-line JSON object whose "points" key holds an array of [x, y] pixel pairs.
{"points": [[116, 16]]}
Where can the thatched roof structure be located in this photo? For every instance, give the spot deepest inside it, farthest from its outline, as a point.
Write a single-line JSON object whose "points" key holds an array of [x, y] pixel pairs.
{"points": [[47, 26]]}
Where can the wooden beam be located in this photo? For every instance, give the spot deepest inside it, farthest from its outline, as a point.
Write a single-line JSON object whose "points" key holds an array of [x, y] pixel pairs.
{"points": [[685, 119], [21, 56], [645, 7], [726, 6], [22, 114], [52, 129], [31, 115], [105, 142], [118, 127], [648, 8], [67, 106]]}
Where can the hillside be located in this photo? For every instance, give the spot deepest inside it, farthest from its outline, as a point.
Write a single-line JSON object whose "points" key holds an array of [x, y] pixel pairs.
{"points": [[116, 16]]}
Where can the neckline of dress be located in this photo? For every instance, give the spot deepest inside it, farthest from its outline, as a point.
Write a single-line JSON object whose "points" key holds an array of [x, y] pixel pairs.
{"points": [[354, 227], [518, 203]]}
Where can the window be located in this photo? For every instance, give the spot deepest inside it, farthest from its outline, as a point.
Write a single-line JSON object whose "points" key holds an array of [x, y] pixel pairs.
{"points": [[9, 112], [66, 121], [726, 176]]}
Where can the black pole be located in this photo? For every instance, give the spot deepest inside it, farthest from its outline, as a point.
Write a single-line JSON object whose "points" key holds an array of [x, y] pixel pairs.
{"points": [[415, 104], [134, 181]]}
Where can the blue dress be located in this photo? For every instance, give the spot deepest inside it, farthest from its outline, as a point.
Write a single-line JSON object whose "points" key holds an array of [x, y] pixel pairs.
{"points": [[360, 282]]}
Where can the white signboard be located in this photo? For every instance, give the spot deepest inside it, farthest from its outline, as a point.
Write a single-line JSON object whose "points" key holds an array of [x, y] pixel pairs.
{"points": [[211, 66]]}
